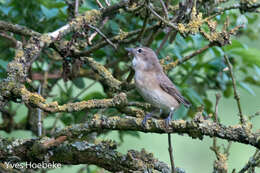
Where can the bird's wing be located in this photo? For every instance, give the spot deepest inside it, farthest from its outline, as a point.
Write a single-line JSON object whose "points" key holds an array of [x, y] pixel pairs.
{"points": [[168, 86]]}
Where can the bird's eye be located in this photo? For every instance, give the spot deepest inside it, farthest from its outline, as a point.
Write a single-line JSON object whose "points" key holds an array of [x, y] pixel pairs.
{"points": [[139, 50]]}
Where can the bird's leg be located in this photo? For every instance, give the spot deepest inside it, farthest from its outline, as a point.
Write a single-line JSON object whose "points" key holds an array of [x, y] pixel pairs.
{"points": [[169, 118], [147, 116]]}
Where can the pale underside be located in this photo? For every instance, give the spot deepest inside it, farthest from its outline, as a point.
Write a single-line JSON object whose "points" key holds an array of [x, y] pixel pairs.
{"points": [[148, 86]]}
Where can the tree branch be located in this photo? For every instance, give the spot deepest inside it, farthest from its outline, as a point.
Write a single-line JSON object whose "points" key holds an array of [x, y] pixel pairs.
{"points": [[170, 153], [37, 100], [120, 38], [236, 95], [104, 36], [17, 29], [61, 151], [196, 128], [103, 72], [14, 43], [18, 68], [171, 65], [253, 162]]}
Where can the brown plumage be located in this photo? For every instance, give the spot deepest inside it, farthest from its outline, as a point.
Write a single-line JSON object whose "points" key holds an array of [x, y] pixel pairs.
{"points": [[152, 83], [170, 88]]}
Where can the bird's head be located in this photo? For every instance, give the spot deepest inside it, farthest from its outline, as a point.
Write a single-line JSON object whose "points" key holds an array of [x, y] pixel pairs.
{"points": [[144, 59]]}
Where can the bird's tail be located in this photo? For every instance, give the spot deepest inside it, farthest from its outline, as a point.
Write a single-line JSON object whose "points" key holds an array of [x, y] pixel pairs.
{"points": [[186, 103]]}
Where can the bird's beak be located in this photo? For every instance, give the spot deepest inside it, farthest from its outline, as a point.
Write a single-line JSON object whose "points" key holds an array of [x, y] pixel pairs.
{"points": [[130, 50]]}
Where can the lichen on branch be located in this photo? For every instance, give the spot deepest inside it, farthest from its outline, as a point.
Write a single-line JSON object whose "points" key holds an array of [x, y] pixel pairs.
{"points": [[196, 128], [37, 100], [76, 152]]}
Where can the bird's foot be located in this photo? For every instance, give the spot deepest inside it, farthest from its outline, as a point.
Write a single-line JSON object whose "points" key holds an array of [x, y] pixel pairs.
{"points": [[147, 116], [167, 121], [169, 118]]}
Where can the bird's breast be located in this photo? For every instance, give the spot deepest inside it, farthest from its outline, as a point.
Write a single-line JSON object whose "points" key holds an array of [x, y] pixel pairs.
{"points": [[148, 86], [146, 81]]}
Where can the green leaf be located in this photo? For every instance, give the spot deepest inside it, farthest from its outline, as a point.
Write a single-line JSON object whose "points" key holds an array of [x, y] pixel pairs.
{"points": [[250, 55], [208, 104], [180, 113], [88, 5], [50, 4], [67, 119], [197, 40], [228, 91], [216, 64], [49, 13], [2, 74], [192, 94], [94, 95], [113, 26], [79, 83], [3, 64], [216, 51], [234, 45]]}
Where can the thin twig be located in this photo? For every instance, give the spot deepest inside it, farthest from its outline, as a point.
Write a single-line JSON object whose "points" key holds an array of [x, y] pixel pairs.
{"points": [[82, 91], [116, 39], [45, 75], [186, 58], [214, 147], [107, 2], [173, 37], [103, 35], [162, 19], [130, 76], [39, 116], [165, 39], [55, 123], [99, 4], [164, 9], [220, 164], [218, 96], [170, 152], [227, 149], [252, 162], [236, 95], [12, 39], [76, 7], [92, 36], [254, 115], [152, 36], [146, 19]]}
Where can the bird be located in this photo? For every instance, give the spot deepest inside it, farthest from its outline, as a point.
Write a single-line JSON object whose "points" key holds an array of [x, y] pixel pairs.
{"points": [[153, 84]]}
